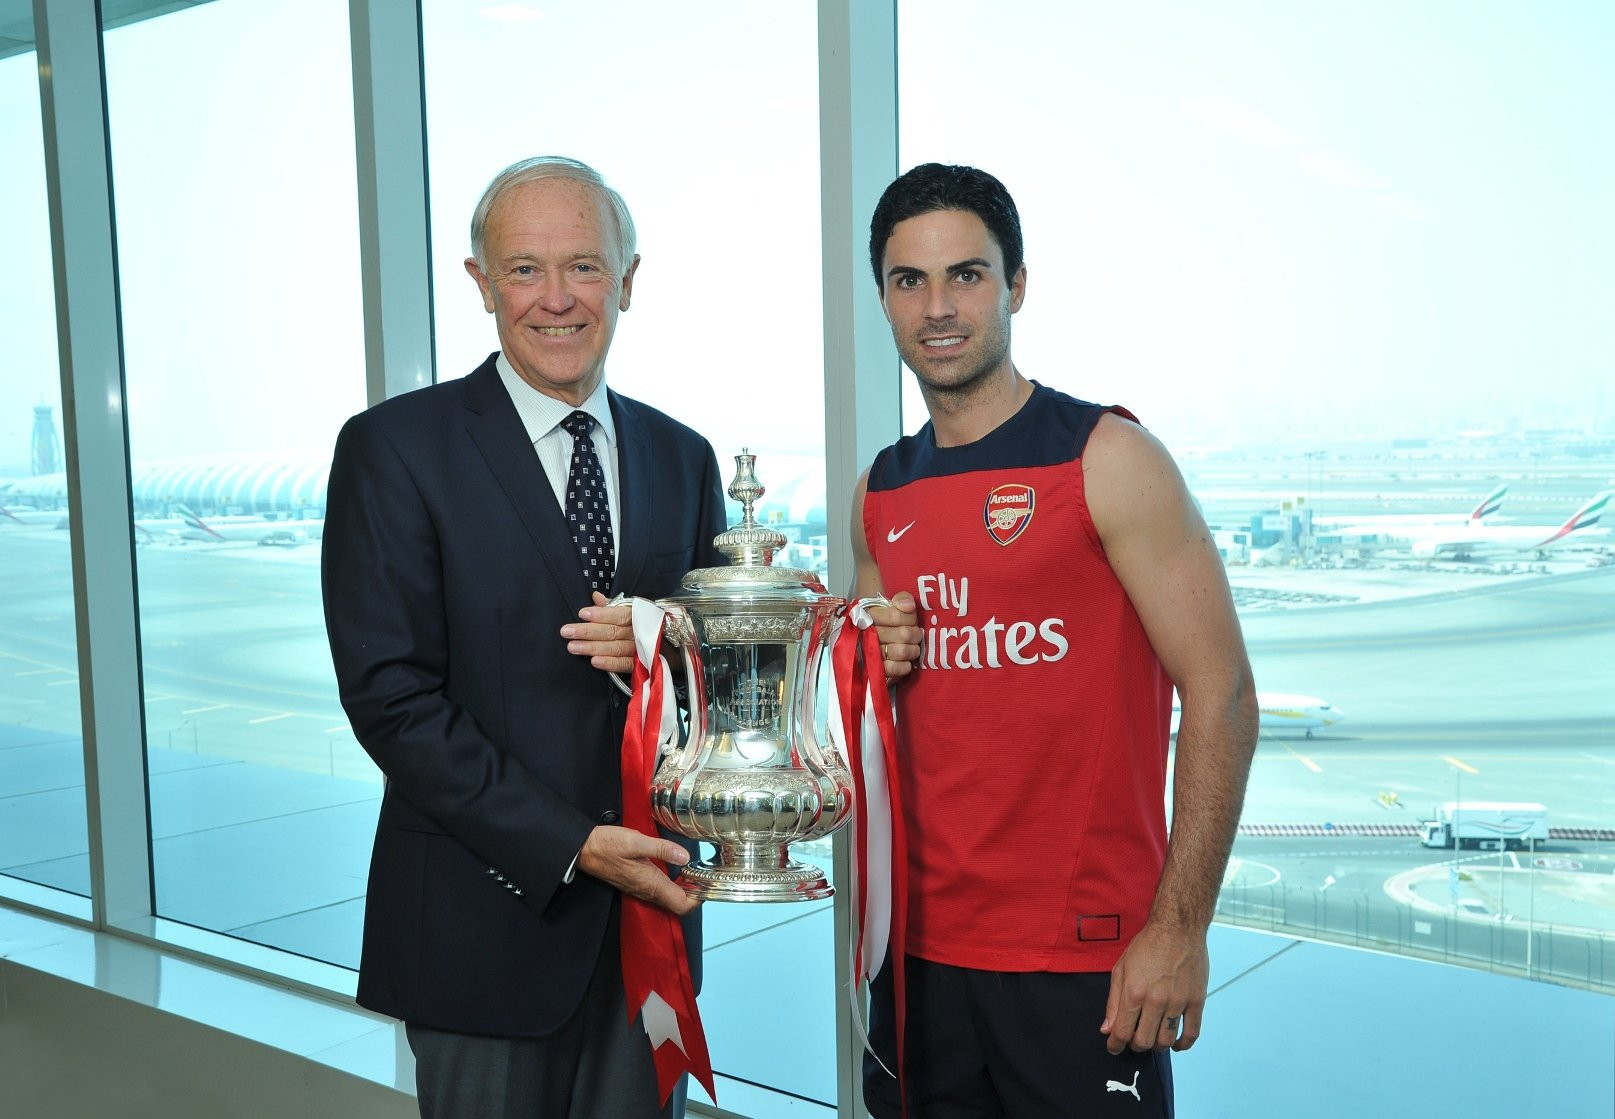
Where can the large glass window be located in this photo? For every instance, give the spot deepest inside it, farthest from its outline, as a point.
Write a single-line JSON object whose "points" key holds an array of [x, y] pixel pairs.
{"points": [[43, 839], [706, 120], [738, 360], [1352, 265], [239, 267]]}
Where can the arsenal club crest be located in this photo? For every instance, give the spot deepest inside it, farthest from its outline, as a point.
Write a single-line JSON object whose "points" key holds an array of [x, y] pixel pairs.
{"points": [[1008, 511]]}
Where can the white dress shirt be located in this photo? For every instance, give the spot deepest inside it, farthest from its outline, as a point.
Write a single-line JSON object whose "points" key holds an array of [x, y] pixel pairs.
{"points": [[542, 415]]}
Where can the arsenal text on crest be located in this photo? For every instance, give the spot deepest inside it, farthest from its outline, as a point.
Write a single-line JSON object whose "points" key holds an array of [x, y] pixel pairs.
{"points": [[1008, 511]]}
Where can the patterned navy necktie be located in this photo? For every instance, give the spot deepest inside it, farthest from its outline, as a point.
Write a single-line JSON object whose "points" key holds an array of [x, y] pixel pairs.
{"points": [[588, 513]]}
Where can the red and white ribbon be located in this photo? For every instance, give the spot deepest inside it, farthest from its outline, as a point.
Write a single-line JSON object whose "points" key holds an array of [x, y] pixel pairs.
{"points": [[880, 843], [655, 966]]}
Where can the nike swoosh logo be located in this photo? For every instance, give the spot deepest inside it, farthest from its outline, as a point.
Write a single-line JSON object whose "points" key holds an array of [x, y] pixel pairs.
{"points": [[893, 535]]}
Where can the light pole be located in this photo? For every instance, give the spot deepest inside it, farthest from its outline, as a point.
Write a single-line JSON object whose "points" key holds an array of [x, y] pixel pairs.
{"points": [[1457, 845], [1530, 914], [1311, 457], [1457, 812]]}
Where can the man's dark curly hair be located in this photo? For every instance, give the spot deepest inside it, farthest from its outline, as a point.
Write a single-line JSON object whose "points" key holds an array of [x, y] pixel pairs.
{"points": [[938, 186]]}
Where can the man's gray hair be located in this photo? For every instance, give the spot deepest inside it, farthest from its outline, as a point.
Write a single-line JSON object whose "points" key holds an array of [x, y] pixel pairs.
{"points": [[541, 167]]}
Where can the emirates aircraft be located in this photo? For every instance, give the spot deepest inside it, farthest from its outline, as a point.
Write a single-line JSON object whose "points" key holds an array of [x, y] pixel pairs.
{"points": [[22, 516], [1475, 541], [1405, 524], [236, 527]]}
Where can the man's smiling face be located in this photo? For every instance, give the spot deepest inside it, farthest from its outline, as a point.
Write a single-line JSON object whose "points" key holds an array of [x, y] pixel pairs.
{"points": [[554, 279], [948, 300]]}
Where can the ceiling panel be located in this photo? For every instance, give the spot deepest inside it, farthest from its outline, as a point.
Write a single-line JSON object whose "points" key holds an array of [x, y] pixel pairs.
{"points": [[17, 18]]}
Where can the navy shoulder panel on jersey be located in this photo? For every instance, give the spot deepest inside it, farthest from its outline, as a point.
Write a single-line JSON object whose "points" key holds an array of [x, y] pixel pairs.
{"points": [[1050, 428]]}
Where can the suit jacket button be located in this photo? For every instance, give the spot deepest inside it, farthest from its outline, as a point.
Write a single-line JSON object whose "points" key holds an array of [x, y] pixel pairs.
{"points": [[610, 816]]}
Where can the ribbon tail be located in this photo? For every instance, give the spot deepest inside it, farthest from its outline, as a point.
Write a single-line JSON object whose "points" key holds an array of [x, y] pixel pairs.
{"points": [[849, 693], [662, 995], [655, 962], [880, 706], [880, 879], [877, 860]]}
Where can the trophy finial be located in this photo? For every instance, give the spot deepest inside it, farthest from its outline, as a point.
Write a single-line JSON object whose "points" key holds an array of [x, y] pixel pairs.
{"points": [[746, 489], [748, 544]]}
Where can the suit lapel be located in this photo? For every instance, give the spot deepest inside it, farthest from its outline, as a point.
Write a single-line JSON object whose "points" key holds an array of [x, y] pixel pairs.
{"points": [[497, 432], [635, 491]]}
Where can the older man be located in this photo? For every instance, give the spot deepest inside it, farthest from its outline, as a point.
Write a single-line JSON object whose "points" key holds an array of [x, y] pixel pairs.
{"points": [[473, 532]]}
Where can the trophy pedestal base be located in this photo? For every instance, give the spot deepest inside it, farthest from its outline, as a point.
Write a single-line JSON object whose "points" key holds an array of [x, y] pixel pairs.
{"points": [[754, 874]]}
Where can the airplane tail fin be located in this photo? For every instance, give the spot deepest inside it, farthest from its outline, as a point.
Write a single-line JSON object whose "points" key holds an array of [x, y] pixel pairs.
{"points": [[1584, 518], [188, 515], [1489, 504]]}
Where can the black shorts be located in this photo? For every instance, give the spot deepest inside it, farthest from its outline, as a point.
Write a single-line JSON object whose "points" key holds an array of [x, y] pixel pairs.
{"points": [[1017, 1045]]}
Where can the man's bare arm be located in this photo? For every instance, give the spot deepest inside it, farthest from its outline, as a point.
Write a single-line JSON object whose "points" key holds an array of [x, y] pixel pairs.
{"points": [[897, 624], [1161, 551]]}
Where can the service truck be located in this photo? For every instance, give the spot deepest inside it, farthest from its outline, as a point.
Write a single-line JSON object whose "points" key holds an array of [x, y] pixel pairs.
{"points": [[1488, 824]]}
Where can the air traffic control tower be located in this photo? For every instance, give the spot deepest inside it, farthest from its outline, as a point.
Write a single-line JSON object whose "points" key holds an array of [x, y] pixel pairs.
{"points": [[46, 456]]}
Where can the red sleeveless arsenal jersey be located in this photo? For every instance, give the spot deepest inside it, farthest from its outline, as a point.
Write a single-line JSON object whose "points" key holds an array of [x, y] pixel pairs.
{"points": [[1033, 736]]}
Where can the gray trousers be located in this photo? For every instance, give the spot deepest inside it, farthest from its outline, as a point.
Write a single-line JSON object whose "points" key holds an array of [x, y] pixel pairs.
{"points": [[596, 1066]]}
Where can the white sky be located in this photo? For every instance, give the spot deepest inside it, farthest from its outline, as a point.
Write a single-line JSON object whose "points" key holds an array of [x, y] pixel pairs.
{"points": [[1315, 222]]}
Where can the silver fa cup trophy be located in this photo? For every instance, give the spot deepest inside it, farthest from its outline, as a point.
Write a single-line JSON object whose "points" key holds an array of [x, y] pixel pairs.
{"points": [[752, 775]]}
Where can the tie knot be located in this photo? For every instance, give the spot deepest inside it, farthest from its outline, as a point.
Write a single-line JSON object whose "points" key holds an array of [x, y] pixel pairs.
{"points": [[579, 425]]}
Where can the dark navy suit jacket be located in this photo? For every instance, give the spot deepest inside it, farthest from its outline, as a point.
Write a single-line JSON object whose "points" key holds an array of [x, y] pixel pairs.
{"points": [[448, 572]]}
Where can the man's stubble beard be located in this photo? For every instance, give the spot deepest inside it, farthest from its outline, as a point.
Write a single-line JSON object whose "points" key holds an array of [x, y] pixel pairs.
{"points": [[953, 396]]}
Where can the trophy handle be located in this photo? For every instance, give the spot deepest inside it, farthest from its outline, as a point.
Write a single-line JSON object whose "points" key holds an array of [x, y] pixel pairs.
{"points": [[616, 677], [680, 630], [681, 626], [855, 604]]}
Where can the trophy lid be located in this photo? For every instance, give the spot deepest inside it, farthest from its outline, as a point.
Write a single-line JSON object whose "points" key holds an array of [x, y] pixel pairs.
{"points": [[750, 548]]}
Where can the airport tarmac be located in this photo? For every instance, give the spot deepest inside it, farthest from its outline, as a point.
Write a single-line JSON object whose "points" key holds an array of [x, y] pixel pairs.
{"points": [[1456, 685]]}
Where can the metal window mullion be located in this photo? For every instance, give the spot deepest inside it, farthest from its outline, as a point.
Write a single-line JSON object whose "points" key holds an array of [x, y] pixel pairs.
{"points": [[389, 112], [78, 169], [862, 387]]}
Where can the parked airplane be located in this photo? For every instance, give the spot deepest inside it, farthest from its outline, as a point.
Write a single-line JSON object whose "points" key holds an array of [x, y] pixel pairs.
{"points": [[1284, 711], [285, 533], [236, 527], [1289, 711], [1474, 540], [1274, 555], [1403, 523], [22, 516]]}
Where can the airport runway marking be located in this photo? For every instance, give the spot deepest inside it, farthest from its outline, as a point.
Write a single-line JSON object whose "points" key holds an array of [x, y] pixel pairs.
{"points": [[1237, 866], [1303, 759], [39, 671], [200, 710], [61, 683], [272, 718], [1335, 854], [337, 730], [1450, 760]]}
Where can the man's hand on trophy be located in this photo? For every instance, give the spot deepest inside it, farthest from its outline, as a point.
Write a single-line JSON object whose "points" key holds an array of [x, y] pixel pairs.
{"points": [[628, 860], [898, 625], [604, 634]]}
